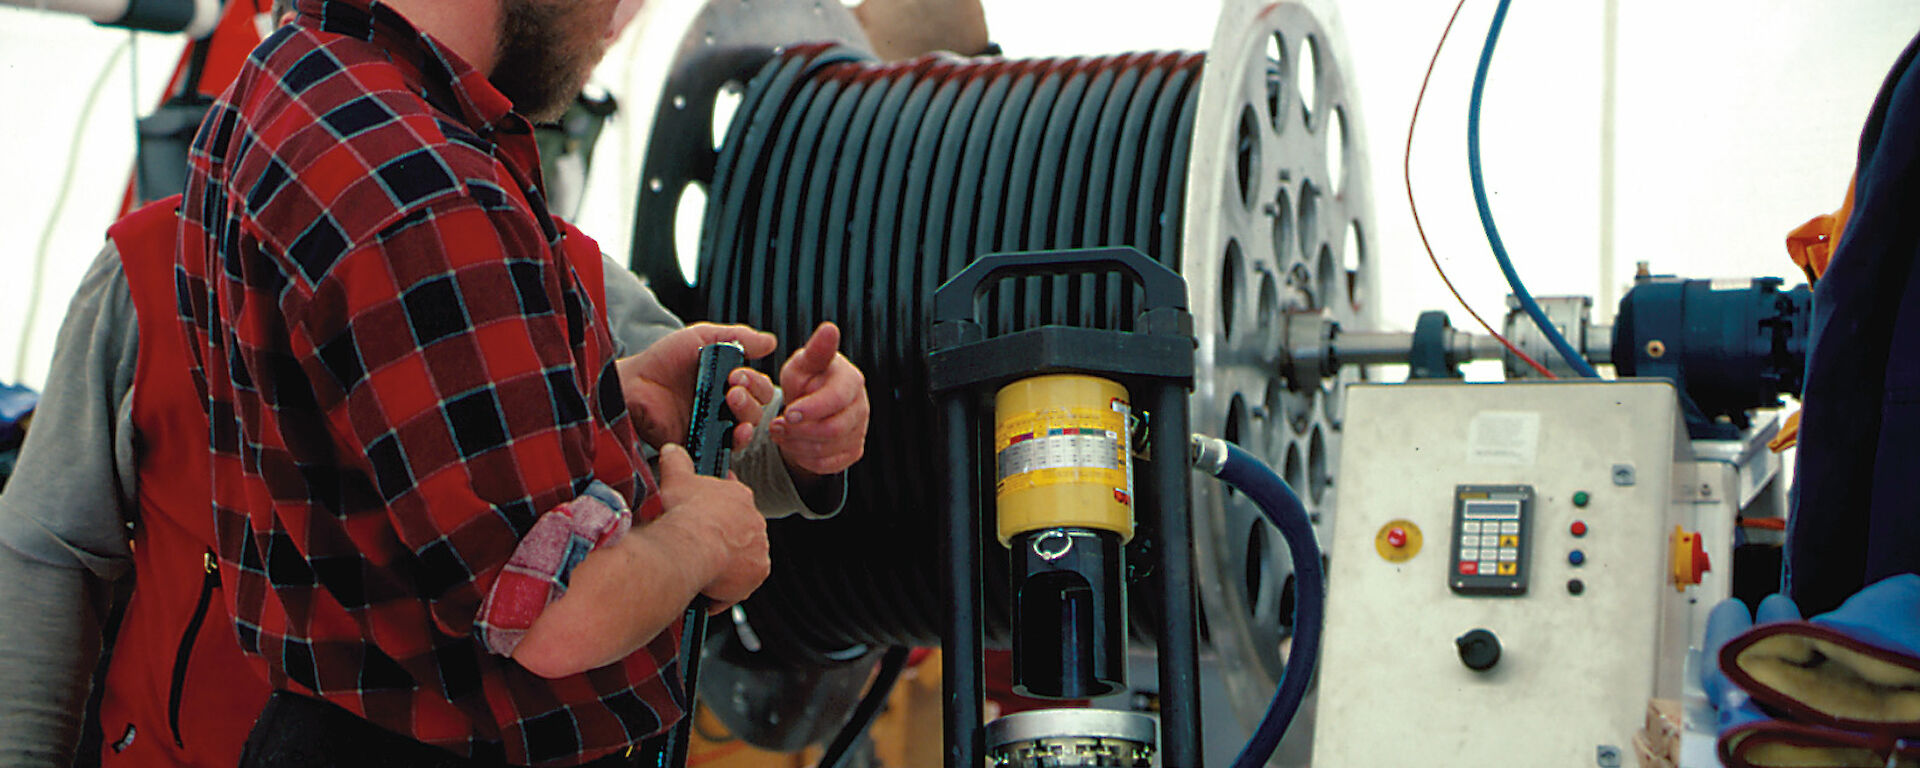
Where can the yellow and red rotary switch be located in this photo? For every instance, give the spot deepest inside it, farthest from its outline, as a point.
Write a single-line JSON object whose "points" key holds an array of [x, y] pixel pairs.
{"points": [[1689, 559], [1398, 541], [1064, 497]]}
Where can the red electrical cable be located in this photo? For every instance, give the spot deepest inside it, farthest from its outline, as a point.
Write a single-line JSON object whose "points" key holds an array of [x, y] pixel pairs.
{"points": [[1407, 173]]}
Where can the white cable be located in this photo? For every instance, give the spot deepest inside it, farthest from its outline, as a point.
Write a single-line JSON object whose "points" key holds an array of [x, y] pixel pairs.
{"points": [[59, 202]]}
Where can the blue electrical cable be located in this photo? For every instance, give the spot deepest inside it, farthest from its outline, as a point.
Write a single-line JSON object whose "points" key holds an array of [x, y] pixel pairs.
{"points": [[1573, 357], [1282, 507]]}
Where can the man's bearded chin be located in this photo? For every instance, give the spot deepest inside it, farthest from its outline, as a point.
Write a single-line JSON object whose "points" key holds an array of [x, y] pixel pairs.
{"points": [[538, 67]]}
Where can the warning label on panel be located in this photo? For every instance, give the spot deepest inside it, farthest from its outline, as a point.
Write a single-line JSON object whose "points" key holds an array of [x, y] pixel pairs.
{"points": [[1503, 437]]}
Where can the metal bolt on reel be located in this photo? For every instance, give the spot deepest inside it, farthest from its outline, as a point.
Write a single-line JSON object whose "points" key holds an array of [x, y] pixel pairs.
{"points": [[836, 179]]}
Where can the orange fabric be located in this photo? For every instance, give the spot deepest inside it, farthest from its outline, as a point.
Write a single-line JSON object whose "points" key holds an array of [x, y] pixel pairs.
{"points": [[1811, 245], [1789, 434]]}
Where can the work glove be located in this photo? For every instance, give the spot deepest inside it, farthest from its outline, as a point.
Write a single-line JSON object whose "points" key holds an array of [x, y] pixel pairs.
{"points": [[1842, 689]]}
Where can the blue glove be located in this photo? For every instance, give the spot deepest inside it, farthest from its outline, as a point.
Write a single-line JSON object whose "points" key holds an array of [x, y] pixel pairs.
{"points": [[1857, 667], [1780, 648], [1728, 620]]}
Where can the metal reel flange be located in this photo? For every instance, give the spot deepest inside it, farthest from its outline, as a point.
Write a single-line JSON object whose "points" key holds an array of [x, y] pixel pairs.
{"points": [[1277, 226], [707, 50]]}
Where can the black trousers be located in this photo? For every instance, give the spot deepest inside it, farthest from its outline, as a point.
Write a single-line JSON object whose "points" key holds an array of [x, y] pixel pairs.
{"points": [[295, 731]]}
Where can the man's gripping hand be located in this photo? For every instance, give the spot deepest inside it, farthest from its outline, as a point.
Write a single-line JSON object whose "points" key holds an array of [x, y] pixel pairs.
{"points": [[723, 530], [823, 428], [658, 383]]}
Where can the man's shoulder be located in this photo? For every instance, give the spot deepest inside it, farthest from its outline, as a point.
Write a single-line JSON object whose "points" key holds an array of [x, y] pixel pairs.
{"points": [[344, 136]]}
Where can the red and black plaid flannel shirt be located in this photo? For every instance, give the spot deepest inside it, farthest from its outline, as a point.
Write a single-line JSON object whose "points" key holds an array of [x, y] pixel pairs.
{"points": [[401, 373]]}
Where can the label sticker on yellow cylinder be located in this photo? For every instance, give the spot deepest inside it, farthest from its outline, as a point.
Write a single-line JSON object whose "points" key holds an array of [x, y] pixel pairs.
{"points": [[1055, 446], [1398, 541]]}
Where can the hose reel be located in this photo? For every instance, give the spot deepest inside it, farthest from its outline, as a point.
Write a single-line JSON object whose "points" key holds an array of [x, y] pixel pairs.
{"points": [[844, 190]]}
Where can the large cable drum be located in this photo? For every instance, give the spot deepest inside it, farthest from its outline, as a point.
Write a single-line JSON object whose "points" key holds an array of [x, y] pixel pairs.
{"points": [[846, 189]]}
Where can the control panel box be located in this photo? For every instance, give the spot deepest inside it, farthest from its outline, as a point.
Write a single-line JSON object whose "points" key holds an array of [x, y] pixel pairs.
{"points": [[1500, 585]]}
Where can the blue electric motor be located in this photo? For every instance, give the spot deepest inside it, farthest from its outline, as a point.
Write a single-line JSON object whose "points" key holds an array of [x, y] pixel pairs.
{"points": [[1729, 346]]}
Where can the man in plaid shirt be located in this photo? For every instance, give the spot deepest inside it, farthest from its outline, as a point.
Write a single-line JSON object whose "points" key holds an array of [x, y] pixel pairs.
{"points": [[410, 394]]}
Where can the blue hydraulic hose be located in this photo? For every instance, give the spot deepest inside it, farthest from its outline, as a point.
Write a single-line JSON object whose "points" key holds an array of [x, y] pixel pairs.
{"points": [[1254, 478], [1573, 357]]}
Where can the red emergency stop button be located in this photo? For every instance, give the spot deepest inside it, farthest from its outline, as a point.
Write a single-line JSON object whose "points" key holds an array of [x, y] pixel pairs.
{"points": [[1397, 537], [1579, 528]]}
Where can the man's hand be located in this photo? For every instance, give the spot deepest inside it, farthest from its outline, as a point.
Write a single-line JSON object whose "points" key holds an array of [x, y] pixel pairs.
{"points": [[724, 531], [903, 29], [710, 541], [823, 428], [658, 383]]}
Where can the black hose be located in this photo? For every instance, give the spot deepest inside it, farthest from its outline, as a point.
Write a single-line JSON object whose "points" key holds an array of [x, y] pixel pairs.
{"points": [[1282, 507], [847, 190]]}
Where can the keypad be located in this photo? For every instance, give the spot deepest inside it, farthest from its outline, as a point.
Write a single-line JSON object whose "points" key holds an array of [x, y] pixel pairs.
{"points": [[1491, 528]]}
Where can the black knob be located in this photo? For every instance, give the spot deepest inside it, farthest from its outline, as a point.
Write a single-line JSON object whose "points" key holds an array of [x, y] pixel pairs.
{"points": [[1479, 650]]}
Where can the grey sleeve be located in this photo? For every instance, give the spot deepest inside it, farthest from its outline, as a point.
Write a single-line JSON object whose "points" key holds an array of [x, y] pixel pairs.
{"points": [[761, 467], [633, 313], [637, 321], [63, 526]]}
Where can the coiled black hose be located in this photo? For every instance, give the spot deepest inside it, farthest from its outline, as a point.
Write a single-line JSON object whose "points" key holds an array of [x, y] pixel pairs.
{"points": [[847, 190]]}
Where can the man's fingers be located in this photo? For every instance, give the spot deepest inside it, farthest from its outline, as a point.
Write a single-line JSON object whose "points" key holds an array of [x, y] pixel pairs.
{"points": [[830, 428], [745, 410], [813, 359], [756, 344], [674, 462], [756, 383], [838, 394]]}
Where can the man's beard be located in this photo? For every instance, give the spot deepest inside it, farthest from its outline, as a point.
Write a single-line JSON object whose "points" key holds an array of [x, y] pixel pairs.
{"points": [[543, 58]]}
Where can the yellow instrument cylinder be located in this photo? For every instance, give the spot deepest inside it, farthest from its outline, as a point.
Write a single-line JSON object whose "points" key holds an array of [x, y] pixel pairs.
{"points": [[1063, 455]]}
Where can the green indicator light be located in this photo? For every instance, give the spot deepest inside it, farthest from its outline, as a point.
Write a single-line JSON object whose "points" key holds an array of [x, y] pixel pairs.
{"points": [[1580, 498]]}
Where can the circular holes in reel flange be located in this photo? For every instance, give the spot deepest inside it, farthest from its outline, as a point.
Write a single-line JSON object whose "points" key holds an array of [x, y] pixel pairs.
{"points": [[1329, 278], [1353, 259], [1279, 402], [1237, 427], [1277, 76], [1246, 165], [689, 215], [1318, 471], [1307, 221], [1306, 78], [1259, 572], [1268, 321], [1232, 266], [1239, 424], [1295, 468], [726, 102], [1282, 228], [1336, 148]]}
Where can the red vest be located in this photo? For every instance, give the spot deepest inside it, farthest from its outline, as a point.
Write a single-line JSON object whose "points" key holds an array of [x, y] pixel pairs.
{"points": [[178, 691]]}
